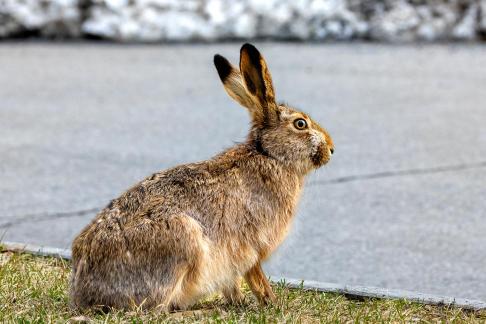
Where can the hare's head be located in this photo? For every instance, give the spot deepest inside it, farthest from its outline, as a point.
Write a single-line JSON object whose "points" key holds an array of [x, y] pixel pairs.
{"points": [[278, 130]]}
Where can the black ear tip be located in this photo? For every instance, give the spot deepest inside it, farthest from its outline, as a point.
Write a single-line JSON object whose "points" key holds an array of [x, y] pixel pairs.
{"points": [[247, 45], [217, 58], [222, 66], [251, 51], [250, 48]]}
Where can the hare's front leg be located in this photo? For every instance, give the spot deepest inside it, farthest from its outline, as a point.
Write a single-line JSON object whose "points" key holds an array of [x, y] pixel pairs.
{"points": [[259, 285], [233, 294]]}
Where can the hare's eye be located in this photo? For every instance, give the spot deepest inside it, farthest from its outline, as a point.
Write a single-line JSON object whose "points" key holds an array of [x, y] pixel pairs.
{"points": [[300, 123]]}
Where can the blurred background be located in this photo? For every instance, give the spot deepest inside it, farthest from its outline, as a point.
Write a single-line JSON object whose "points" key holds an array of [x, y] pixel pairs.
{"points": [[96, 95]]}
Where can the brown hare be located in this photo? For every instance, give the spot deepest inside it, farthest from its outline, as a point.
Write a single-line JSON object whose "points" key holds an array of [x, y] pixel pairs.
{"points": [[196, 229]]}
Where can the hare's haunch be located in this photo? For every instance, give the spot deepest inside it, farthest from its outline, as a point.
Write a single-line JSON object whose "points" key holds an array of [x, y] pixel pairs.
{"points": [[196, 229]]}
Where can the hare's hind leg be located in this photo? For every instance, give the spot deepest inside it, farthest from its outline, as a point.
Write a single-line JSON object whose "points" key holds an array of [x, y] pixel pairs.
{"points": [[190, 250]]}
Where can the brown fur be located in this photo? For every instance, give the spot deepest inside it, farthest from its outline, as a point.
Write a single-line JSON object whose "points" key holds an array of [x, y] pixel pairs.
{"points": [[196, 229]]}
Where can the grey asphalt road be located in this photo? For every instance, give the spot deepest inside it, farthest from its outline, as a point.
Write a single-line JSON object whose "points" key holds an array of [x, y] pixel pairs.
{"points": [[401, 205]]}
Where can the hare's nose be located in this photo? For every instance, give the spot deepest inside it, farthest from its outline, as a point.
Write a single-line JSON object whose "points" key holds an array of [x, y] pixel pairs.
{"points": [[332, 151]]}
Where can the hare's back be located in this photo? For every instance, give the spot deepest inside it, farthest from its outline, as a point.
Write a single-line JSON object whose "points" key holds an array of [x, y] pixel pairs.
{"points": [[148, 215]]}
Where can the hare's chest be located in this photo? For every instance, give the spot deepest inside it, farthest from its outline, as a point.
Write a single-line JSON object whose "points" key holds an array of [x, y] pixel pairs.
{"points": [[271, 238], [276, 226]]}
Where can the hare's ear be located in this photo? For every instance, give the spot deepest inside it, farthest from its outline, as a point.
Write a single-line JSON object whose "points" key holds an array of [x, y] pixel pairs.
{"points": [[233, 83], [257, 79]]}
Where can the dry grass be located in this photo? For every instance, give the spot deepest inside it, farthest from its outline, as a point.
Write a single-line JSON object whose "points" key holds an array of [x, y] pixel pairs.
{"points": [[34, 289]]}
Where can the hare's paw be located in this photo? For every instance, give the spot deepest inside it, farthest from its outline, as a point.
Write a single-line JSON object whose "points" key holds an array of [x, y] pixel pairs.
{"points": [[233, 295], [268, 297]]}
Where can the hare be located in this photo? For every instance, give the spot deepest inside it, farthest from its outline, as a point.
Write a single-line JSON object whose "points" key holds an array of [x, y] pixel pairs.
{"points": [[198, 228]]}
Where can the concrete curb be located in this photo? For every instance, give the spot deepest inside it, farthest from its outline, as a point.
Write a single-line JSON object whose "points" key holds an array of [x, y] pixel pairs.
{"points": [[358, 292], [37, 250]]}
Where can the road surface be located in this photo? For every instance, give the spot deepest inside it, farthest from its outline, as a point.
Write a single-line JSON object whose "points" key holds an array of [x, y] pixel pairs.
{"points": [[402, 204]]}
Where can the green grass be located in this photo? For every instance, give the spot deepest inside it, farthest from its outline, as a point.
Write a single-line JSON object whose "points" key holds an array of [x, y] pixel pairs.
{"points": [[35, 290]]}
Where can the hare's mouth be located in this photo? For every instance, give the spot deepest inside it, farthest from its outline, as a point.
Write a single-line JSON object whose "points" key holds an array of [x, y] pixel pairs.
{"points": [[321, 156]]}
